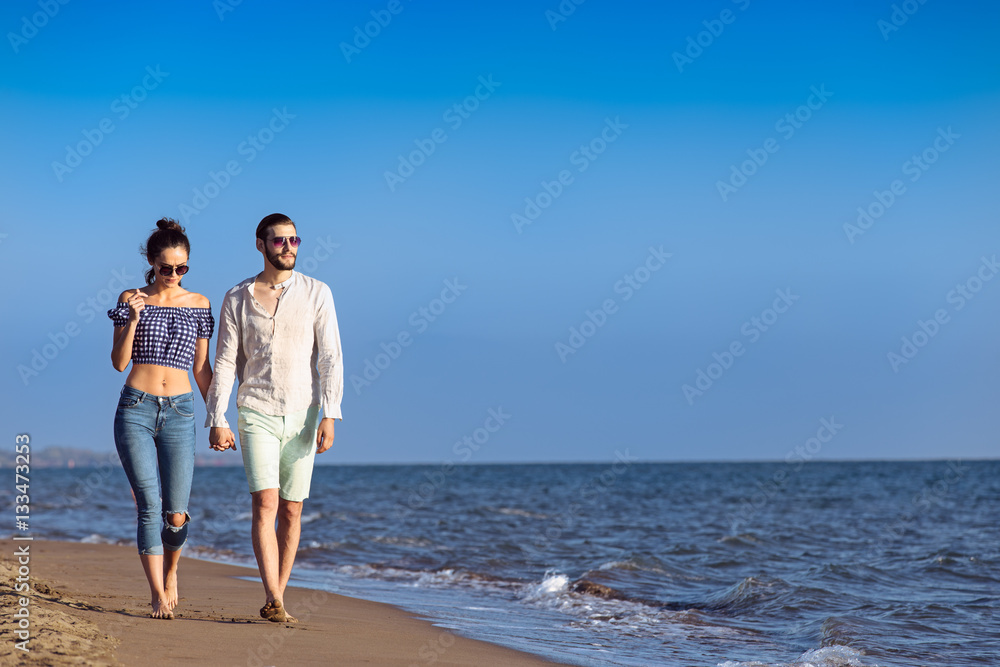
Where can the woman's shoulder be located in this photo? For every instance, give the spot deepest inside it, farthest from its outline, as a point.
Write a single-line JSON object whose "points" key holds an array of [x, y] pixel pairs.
{"points": [[195, 300], [128, 294]]}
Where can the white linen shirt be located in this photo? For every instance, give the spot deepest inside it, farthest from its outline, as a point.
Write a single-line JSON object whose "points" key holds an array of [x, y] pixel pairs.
{"points": [[286, 362]]}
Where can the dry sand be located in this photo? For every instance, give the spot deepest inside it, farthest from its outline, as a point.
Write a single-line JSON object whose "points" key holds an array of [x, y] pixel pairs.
{"points": [[89, 605]]}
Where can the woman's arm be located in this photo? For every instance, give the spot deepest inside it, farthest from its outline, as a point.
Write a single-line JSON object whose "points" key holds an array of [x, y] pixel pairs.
{"points": [[121, 348], [202, 367]]}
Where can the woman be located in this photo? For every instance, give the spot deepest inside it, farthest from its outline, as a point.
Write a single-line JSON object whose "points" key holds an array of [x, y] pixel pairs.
{"points": [[163, 330]]}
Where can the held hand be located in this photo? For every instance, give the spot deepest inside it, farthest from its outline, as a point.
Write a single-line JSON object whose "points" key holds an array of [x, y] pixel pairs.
{"points": [[324, 436], [220, 438], [136, 303]]}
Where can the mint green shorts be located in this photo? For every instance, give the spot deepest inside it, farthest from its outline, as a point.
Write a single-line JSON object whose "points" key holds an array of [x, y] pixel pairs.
{"points": [[278, 452]]}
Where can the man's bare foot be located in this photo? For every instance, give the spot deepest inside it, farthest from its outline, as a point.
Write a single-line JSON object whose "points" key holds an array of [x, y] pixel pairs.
{"points": [[170, 588], [161, 609], [274, 611]]}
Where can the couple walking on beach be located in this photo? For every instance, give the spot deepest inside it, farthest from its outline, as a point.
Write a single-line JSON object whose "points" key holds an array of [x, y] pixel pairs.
{"points": [[278, 336]]}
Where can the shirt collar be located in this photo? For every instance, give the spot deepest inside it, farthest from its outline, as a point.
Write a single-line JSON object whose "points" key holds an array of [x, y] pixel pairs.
{"points": [[286, 284]]}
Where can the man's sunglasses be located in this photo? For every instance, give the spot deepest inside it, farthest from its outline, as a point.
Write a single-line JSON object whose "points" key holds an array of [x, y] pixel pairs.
{"points": [[168, 271], [279, 241]]}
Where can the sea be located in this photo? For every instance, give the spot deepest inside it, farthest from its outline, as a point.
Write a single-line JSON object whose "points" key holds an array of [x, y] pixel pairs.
{"points": [[783, 564]]}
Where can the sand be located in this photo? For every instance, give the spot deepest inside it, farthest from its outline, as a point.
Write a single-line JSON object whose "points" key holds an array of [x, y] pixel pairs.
{"points": [[89, 605]]}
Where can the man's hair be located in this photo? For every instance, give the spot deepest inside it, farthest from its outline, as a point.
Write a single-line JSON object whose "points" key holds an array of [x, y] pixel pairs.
{"points": [[270, 221]]}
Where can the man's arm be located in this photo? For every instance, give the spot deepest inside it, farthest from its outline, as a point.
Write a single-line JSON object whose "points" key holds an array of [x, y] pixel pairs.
{"points": [[226, 351], [330, 364]]}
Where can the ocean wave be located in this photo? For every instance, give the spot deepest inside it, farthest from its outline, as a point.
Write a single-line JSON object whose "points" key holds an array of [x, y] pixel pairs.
{"points": [[596, 607], [743, 539], [514, 511], [828, 656], [440, 578], [399, 540], [552, 584], [750, 594], [322, 548], [635, 564], [218, 555]]}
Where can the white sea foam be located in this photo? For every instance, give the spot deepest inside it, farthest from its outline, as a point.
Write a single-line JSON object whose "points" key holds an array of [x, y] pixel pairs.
{"points": [[553, 584], [828, 656], [414, 578]]}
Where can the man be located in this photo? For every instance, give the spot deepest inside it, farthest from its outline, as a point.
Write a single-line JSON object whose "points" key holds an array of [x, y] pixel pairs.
{"points": [[278, 334]]}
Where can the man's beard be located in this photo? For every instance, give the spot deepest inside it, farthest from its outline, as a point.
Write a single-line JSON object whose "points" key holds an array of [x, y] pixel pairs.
{"points": [[279, 262]]}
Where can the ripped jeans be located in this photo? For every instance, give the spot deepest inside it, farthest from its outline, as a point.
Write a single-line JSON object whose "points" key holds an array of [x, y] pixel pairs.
{"points": [[157, 432]]}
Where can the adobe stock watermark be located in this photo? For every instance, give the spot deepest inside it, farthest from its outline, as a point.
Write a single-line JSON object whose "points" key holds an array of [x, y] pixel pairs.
{"points": [[581, 158], [420, 320], [82, 489], [787, 126], [255, 144], [454, 116], [562, 12], [223, 7], [87, 310], [463, 449], [122, 106], [958, 297], [31, 25], [752, 329], [901, 13], [696, 44], [362, 39], [627, 286], [433, 649], [587, 495], [794, 460], [915, 167], [322, 252], [273, 639]]}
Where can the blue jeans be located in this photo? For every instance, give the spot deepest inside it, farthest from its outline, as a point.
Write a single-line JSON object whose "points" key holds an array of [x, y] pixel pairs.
{"points": [[157, 432]]}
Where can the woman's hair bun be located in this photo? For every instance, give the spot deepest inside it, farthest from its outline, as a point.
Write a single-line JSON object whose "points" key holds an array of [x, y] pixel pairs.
{"points": [[167, 224], [168, 234]]}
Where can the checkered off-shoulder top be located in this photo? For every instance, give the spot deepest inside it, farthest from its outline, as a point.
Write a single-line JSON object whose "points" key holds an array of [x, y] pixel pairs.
{"points": [[166, 335]]}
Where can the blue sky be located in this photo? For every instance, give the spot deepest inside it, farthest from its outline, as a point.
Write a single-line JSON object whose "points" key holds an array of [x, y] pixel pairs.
{"points": [[742, 158]]}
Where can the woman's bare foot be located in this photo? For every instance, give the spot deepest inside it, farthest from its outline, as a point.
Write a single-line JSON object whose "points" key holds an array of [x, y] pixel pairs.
{"points": [[161, 608], [171, 562], [170, 588]]}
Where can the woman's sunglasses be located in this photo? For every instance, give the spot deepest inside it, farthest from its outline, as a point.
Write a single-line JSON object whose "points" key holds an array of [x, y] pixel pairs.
{"points": [[168, 271], [279, 241]]}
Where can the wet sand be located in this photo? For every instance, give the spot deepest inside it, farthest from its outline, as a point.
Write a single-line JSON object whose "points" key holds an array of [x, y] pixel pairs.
{"points": [[89, 605]]}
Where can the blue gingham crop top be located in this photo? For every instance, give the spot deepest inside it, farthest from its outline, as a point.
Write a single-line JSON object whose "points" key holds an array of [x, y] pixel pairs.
{"points": [[165, 335]]}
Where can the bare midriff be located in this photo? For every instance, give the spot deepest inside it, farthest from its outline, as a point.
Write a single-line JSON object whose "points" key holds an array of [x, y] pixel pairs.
{"points": [[159, 380]]}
